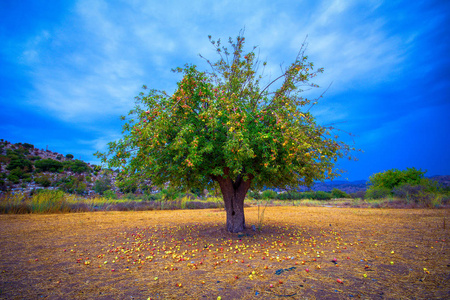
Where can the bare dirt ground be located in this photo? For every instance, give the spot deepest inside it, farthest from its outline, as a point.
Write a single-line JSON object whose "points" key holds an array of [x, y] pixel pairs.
{"points": [[301, 253]]}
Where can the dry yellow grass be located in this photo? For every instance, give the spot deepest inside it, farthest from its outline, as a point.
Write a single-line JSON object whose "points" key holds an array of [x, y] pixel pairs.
{"points": [[349, 253]]}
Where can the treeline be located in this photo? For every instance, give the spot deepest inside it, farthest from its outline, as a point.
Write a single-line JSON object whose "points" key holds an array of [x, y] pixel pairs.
{"points": [[410, 186], [292, 195]]}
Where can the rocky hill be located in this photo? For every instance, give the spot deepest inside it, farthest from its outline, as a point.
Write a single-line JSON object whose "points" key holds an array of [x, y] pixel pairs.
{"points": [[24, 168]]}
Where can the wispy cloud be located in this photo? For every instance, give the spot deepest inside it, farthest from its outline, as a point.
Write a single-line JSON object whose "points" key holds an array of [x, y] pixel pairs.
{"points": [[84, 69]]}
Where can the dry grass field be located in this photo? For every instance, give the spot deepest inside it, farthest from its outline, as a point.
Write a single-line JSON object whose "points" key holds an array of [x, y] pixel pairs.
{"points": [[300, 253]]}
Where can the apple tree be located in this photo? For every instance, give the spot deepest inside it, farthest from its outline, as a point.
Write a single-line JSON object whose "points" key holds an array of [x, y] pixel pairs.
{"points": [[223, 127]]}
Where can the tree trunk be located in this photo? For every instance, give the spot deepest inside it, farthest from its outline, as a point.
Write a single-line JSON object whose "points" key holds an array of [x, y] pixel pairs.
{"points": [[233, 196]]}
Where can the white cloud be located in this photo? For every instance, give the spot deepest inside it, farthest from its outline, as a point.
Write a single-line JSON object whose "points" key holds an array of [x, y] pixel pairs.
{"points": [[96, 63]]}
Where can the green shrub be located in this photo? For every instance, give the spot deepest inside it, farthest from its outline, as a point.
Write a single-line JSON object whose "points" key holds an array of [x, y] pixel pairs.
{"points": [[72, 184], [393, 178], [48, 165], [153, 197], [254, 194], [76, 166], [127, 186], [101, 185], [269, 194], [337, 193], [321, 195], [13, 178], [109, 194], [20, 163], [307, 195], [170, 194], [43, 180]]}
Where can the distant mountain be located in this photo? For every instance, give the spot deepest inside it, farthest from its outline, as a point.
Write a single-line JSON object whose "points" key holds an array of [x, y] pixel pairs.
{"points": [[343, 185], [443, 180]]}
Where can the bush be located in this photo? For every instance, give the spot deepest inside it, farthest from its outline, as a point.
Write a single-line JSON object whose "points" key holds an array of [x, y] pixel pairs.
{"points": [[127, 186], [153, 197], [72, 184], [394, 178], [13, 178], [321, 195], [101, 185], [269, 194], [109, 194], [254, 194], [170, 194], [291, 195], [337, 193], [69, 156], [48, 165], [20, 163], [28, 146], [76, 166], [43, 180]]}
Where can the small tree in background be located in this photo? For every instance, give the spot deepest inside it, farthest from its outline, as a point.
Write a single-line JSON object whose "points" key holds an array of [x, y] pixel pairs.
{"points": [[102, 185], [402, 183], [338, 194], [224, 128]]}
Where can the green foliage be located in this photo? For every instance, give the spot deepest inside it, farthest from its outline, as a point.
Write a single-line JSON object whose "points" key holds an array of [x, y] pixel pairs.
{"points": [[72, 184], [76, 166], [48, 165], [69, 156], [18, 160], [321, 195], [28, 146], [13, 178], [225, 123], [254, 194], [269, 194], [338, 194], [170, 194], [110, 194], [393, 178], [101, 185], [43, 180], [19, 173], [127, 185], [291, 195], [409, 184]]}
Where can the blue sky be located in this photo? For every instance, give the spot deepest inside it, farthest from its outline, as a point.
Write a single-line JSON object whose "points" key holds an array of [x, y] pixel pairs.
{"points": [[69, 69]]}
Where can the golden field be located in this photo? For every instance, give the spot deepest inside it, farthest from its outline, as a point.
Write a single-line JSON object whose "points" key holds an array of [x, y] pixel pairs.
{"points": [[300, 253]]}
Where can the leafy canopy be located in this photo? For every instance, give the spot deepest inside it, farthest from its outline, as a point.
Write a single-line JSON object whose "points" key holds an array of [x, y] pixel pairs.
{"points": [[224, 122], [393, 178]]}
